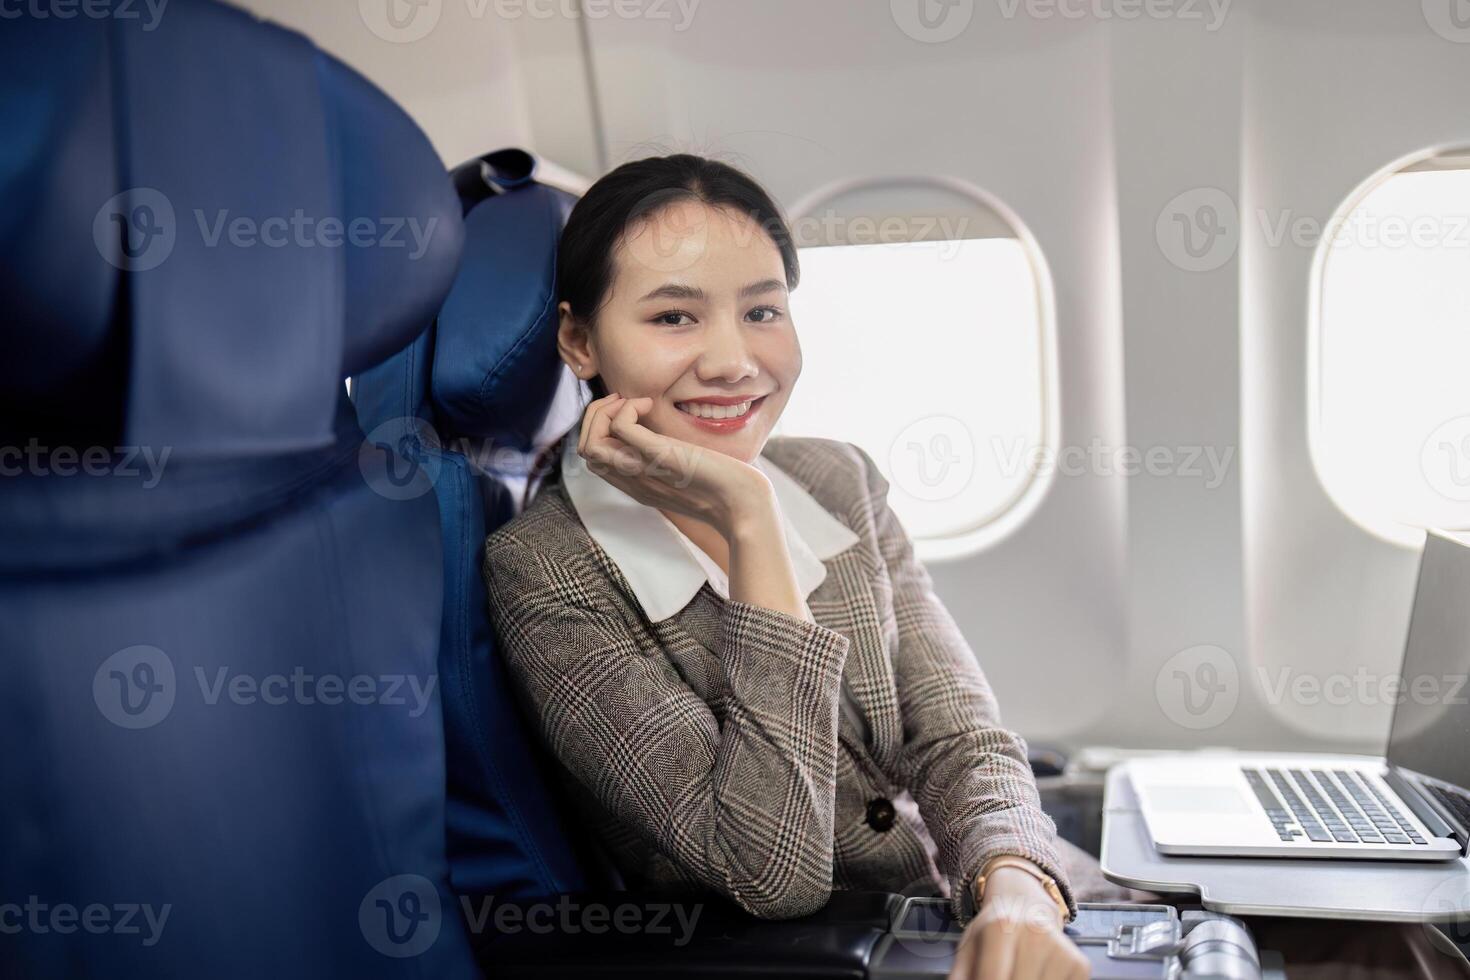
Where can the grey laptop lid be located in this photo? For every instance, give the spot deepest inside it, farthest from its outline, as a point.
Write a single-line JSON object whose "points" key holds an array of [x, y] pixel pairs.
{"points": [[1430, 735]]}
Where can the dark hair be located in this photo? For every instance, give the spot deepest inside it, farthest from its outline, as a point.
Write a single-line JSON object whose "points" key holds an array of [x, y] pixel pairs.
{"points": [[636, 190]]}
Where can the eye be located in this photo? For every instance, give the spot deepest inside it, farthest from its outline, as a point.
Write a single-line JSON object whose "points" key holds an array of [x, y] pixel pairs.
{"points": [[765, 314], [673, 318]]}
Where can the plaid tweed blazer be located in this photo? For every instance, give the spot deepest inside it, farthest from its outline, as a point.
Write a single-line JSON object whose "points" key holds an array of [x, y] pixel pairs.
{"points": [[710, 750]]}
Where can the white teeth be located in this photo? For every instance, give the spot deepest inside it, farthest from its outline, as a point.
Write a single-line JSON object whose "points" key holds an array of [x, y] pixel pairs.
{"points": [[707, 411]]}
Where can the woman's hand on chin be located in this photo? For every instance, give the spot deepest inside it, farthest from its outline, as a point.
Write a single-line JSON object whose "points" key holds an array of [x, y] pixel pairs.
{"points": [[1017, 935], [666, 473]]}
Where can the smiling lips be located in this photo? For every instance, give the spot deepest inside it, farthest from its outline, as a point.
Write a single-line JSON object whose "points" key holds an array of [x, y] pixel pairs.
{"points": [[725, 414]]}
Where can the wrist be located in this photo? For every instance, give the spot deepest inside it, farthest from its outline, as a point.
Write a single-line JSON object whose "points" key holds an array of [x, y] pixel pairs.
{"points": [[752, 514], [1016, 878]]}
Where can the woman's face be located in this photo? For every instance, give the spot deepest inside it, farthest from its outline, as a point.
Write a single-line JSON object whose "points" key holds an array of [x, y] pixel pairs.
{"points": [[695, 318]]}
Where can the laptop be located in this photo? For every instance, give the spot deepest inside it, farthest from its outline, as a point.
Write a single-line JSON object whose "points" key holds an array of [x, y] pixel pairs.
{"points": [[1412, 805]]}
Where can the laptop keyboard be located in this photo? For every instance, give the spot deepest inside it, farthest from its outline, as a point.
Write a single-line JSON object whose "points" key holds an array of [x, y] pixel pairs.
{"points": [[1453, 802], [1337, 805]]}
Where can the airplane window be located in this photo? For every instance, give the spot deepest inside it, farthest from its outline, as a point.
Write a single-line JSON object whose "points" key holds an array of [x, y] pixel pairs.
{"points": [[1390, 410], [928, 354]]}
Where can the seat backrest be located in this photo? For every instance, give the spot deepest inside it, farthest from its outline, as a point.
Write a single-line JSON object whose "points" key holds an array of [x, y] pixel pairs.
{"points": [[218, 622], [470, 400]]}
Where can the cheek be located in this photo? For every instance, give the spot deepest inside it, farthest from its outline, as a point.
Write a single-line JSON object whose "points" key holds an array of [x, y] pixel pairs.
{"points": [[784, 357], [636, 363]]}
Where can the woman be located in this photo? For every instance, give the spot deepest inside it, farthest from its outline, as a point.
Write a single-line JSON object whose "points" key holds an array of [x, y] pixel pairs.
{"points": [[726, 638]]}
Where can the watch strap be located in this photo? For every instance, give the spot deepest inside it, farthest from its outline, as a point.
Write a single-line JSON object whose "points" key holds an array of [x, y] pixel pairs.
{"points": [[1048, 883]]}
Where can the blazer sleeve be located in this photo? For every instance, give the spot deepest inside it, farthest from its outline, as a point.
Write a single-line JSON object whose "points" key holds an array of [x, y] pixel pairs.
{"points": [[969, 775], [745, 807]]}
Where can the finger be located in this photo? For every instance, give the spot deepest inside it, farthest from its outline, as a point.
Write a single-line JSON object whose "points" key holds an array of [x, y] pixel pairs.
{"points": [[594, 423], [588, 415], [997, 952], [966, 956], [625, 425], [1042, 957], [1080, 965], [1033, 958]]}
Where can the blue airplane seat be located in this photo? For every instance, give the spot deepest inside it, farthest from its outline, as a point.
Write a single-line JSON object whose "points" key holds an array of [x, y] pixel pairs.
{"points": [[466, 401], [219, 607]]}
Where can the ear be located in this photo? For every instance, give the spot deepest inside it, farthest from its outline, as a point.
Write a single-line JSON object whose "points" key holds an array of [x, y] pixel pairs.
{"points": [[574, 342]]}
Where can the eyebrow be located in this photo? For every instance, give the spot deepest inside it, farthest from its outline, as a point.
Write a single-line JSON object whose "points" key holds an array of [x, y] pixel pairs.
{"points": [[676, 290]]}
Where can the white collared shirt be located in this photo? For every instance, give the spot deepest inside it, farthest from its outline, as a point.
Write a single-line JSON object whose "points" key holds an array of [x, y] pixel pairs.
{"points": [[663, 566]]}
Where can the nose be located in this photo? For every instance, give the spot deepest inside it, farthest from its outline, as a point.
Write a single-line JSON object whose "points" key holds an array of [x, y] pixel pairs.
{"points": [[726, 356]]}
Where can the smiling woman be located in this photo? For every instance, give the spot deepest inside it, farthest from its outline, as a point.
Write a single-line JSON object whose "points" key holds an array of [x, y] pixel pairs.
{"points": [[726, 637]]}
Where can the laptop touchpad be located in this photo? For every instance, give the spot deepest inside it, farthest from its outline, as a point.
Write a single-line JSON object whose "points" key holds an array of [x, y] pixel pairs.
{"points": [[1195, 799]]}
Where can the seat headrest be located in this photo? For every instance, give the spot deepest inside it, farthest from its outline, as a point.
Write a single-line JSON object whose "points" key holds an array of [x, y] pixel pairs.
{"points": [[495, 363], [218, 213]]}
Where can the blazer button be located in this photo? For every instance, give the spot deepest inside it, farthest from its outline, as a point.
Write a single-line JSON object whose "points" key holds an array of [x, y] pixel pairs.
{"points": [[881, 815]]}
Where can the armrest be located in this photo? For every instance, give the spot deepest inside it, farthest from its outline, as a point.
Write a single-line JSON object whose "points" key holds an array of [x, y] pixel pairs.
{"points": [[858, 935], [635, 934]]}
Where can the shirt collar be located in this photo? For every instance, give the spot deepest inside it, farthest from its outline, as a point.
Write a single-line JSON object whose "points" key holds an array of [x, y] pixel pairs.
{"points": [[664, 568]]}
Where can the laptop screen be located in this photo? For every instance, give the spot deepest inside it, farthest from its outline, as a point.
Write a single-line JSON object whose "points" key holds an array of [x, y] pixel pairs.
{"points": [[1431, 718]]}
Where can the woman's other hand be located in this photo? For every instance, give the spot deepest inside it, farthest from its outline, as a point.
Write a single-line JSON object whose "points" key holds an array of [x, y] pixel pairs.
{"points": [[1017, 935], [666, 473]]}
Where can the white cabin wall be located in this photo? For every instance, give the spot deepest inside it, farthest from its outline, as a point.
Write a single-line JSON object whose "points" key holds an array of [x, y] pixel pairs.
{"points": [[1176, 99], [1336, 91], [461, 81]]}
